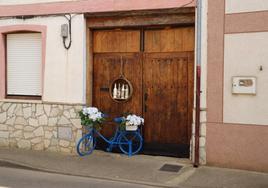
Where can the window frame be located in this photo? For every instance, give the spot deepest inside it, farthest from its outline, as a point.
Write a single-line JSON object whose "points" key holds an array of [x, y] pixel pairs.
{"points": [[17, 29]]}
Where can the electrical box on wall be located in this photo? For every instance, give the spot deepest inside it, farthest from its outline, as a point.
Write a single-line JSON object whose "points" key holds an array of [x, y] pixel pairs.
{"points": [[244, 85], [64, 30]]}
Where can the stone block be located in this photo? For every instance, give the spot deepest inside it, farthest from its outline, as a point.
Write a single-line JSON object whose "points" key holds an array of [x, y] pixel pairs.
{"points": [[54, 142], [3, 117], [55, 134], [10, 121], [4, 134], [33, 122], [55, 112], [203, 129], [63, 121], [19, 127], [202, 141], [78, 108], [78, 135], [64, 143], [39, 110], [24, 144], [3, 127], [46, 143], [52, 121], [33, 108], [42, 120], [39, 131], [11, 109], [202, 156], [203, 116], [48, 134], [5, 106], [67, 107], [76, 123], [18, 110], [27, 112], [28, 135], [39, 146], [73, 114], [16, 134], [29, 128], [36, 140], [65, 133], [67, 114], [20, 121], [47, 109], [11, 128]]}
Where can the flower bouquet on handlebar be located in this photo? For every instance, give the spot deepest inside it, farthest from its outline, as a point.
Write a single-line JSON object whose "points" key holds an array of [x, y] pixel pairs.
{"points": [[91, 117]]}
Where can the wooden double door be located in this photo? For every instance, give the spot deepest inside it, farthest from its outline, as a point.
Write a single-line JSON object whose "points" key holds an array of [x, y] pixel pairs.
{"points": [[159, 63]]}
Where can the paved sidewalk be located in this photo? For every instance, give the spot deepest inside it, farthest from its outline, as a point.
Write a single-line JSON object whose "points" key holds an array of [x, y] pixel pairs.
{"points": [[140, 169]]}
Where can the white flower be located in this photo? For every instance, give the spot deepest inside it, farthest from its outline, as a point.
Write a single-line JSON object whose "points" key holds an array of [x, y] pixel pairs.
{"points": [[134, 120], [92, 110], [93, 113]]}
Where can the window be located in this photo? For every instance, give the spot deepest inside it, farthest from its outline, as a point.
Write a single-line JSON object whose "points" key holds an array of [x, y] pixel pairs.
{"points": [[24, 65]]}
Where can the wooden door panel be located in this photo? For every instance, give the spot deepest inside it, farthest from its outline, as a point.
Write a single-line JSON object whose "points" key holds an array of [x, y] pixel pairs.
{"points": [[106, 69], [170, 40], [116, 41], [166, 83]]}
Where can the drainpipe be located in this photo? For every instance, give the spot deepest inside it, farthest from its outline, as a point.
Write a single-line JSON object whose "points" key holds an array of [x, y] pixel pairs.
{"points": [[198, 83]]}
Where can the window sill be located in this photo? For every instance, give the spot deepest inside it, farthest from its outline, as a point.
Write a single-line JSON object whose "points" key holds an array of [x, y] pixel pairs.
{"points": [[21, 101]]}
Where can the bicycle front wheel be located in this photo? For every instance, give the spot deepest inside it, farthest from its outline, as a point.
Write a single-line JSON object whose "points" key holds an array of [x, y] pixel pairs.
{"points": [[130, 142], [86, 144]]}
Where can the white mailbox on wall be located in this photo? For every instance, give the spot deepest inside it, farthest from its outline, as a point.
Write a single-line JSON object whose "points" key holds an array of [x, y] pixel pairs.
{"points": [[244, 85]]}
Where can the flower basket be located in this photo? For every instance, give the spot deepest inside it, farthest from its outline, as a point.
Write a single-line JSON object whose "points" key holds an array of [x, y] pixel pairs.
{"points": [[131, 127], [132, 122], [91, 117]]}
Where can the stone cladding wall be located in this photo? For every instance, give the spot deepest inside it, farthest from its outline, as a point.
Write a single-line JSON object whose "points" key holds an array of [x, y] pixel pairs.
{"points": [[52, 127]]}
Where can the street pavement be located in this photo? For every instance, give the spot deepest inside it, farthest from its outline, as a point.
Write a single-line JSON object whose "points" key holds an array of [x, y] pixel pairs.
{"points": [[20, 178], [101, 169]]}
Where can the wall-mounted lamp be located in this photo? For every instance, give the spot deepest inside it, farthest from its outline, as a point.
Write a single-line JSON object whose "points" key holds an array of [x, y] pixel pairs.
{"points": [[66, 31]]}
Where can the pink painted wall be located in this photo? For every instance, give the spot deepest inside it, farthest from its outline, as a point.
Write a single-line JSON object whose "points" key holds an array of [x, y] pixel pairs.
{"points": [[237, 146], [16, 28], [233, 145], [91, 6]]}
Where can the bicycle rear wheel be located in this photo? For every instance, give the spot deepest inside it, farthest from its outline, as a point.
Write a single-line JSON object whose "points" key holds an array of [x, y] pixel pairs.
{"points": [[130, 142], [86, 144]]}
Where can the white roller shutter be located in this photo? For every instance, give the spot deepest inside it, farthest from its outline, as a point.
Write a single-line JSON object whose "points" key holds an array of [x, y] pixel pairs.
{"points": [[24, 64]]}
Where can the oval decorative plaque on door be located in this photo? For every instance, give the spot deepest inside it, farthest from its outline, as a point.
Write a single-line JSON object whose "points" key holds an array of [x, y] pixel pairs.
{"points": [[121, 89]]}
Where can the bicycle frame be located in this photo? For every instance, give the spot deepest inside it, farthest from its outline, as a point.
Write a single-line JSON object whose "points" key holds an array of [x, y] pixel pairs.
{"points": [[114, 140], [115, 136]]}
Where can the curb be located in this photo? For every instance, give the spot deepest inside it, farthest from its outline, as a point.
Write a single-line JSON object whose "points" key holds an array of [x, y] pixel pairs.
{"points": [[19, 165]]}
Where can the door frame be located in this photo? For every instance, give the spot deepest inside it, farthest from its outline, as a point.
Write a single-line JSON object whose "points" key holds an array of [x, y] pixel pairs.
{"points": [[147, 19]]}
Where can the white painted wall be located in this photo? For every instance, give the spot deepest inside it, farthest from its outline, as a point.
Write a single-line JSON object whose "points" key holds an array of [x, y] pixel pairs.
{"points": [[237, 6], [244, 54], [63, 79], [19, 2]]}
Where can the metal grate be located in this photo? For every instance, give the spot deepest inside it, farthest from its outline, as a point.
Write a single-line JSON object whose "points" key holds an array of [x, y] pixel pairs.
{"points": [[170, 168]]}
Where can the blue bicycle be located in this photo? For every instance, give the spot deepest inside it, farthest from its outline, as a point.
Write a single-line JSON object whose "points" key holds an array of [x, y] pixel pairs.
{"points": [[129, 142]]}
